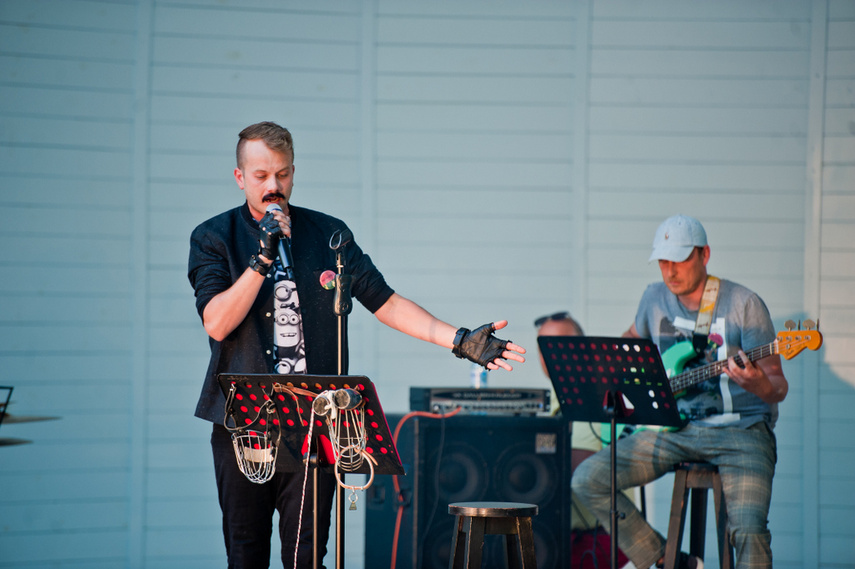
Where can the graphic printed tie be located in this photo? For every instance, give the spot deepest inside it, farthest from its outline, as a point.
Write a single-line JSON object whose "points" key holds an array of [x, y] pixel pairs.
{"points": [[288, 343]]}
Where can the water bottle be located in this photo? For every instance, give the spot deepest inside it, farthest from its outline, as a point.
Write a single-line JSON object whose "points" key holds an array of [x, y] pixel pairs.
{"points": [[478, 376]]}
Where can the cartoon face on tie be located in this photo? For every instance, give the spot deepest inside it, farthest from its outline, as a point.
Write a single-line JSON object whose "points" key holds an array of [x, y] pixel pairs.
{"points": [[287, 328], [287, 331], [285, 293]]}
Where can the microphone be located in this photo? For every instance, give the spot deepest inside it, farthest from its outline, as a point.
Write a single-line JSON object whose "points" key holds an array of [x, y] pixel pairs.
{"points": [[324, 403], [338, 400], [347, 399], [284, 248]]}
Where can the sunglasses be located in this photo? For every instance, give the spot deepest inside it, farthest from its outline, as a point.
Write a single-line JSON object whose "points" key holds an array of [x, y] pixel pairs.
{"points": [[557, 316]]}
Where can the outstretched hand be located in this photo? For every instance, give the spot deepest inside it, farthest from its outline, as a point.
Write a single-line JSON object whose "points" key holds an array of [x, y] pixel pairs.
{"points": [[482, 347]]}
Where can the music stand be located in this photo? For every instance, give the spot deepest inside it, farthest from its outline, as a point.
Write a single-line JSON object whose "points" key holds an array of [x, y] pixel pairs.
{"points": [[293, 412], [610, 380], [4, 408], [4, 405]]}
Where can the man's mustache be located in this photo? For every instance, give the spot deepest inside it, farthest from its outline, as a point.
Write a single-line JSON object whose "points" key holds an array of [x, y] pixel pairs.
{"points": [[274, 197]]}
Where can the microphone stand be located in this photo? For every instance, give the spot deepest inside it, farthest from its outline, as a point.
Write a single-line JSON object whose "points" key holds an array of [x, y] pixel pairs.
{"points": [[342, 306]]}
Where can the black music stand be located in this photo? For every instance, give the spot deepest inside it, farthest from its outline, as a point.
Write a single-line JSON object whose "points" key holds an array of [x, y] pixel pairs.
{"points": [[4, 404], [252, 390], [4, 410], [610, 380]]}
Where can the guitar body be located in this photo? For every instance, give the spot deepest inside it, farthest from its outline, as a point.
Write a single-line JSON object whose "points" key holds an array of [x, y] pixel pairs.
{"points": [[676, 357]]}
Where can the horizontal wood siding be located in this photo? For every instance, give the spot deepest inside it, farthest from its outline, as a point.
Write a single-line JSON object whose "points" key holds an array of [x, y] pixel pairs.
{"points": [[66, 71], [474, 166], [837, 303], [497, 159]]}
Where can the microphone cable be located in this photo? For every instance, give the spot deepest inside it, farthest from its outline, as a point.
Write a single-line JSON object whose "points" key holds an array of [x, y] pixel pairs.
{"points": [[399, 496]]}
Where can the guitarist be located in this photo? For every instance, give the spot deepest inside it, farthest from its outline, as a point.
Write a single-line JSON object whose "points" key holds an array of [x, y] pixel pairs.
{"points": [[730, 417]]}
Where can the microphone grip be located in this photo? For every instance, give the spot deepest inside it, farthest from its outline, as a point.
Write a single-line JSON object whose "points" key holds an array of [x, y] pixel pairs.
{"points": [[342, 300], [285, 256]]}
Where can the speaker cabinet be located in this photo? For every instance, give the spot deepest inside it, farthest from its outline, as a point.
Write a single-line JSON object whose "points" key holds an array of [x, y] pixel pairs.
{"points": [[471, 458]]}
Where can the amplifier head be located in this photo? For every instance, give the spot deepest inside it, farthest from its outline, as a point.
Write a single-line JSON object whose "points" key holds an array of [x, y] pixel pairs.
{"points": [[485, 401]]}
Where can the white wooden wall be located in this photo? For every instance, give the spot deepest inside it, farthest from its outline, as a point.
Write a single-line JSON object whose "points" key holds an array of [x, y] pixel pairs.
{"points": [[497, 159]]}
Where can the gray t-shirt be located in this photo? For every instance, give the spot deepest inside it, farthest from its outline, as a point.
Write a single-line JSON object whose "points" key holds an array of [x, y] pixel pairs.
{"points": [[740, 320]]}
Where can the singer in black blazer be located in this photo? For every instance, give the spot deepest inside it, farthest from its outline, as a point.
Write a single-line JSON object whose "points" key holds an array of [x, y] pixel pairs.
{"points": [[220, 249], [234, 298]]}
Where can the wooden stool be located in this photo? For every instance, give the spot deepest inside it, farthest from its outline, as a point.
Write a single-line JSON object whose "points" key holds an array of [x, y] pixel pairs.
{"points": [[699, 477], [477, 519]]}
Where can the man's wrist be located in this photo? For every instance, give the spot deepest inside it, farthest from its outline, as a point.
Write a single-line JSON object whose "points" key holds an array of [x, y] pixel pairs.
{"points": [[458, 339], [259, 266]]}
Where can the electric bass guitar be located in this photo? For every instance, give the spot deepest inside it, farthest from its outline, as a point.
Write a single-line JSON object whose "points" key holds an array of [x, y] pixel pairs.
{"points": [[788, 344]]}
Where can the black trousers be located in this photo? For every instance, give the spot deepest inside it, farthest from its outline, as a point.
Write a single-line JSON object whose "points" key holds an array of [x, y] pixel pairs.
{"points": [[248, 511]]}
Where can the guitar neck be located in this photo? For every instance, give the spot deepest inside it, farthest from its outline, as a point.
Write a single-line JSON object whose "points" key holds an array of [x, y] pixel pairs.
{"points": [[703, 373]]}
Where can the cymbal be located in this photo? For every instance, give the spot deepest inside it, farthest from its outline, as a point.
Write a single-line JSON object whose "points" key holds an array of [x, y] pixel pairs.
{"points": [[5, 442], [9, 418]]}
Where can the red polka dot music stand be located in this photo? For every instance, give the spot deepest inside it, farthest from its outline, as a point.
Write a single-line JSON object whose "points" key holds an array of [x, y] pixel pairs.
{"points": [[610, 380], [280, 408], [293, 411]]}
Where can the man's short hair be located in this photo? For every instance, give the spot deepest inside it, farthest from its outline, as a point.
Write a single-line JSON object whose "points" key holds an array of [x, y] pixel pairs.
{"points": [[274, 136]]}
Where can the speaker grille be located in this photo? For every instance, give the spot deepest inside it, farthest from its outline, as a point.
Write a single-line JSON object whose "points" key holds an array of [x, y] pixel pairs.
{"points": [[472, 458]]}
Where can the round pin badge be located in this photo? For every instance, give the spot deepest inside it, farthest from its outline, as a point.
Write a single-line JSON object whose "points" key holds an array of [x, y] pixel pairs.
{"points": [[328, 280]]}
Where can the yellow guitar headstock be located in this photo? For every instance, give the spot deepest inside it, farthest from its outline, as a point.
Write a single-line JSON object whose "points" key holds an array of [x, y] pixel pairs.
{"points": [[791, 342]]}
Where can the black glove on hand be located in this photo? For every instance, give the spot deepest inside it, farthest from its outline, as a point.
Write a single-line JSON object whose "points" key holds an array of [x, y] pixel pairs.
{"points": [[479, 345], [269, 234]]}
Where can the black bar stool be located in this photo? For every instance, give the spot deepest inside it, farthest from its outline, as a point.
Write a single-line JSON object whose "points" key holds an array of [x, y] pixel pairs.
{"points": [[477, 519], [699, 477]]}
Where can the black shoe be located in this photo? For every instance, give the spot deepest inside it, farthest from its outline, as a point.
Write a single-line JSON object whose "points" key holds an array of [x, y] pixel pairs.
{"points": [[686, 561]]}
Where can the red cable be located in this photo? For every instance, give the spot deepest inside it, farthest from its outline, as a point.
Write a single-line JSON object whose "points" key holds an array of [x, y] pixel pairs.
{"points": [[397, 484]]}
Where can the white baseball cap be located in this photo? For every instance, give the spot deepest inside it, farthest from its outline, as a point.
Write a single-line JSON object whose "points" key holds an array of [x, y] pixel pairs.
{"points": [[676, 238]]}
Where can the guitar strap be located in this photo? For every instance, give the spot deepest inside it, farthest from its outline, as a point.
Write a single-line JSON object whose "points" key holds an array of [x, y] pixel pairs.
{"points": [[705, 313]]}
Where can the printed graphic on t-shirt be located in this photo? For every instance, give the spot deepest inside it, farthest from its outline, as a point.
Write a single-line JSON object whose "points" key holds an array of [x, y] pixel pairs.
{"points": [[711, 397], [288, 327]]}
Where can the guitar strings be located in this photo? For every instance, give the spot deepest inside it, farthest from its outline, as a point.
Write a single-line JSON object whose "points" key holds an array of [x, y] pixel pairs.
{"points": [[697, 375]]}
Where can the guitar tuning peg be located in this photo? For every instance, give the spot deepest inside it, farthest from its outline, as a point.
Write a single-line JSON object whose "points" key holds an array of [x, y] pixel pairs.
{"points": [[789, 325], [809, 324]]}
